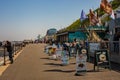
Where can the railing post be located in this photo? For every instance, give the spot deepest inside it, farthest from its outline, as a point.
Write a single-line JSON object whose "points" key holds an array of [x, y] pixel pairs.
{"points": [[15, 50], [4, 57], [109, 47], [119, 46]]}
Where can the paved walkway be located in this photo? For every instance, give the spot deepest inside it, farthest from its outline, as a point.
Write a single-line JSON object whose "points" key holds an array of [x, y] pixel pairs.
{"points": [[34, 64]]}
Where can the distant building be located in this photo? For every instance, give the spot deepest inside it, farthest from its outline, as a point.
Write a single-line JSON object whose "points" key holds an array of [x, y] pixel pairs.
{"points": [[51, 34], [51, 31]]}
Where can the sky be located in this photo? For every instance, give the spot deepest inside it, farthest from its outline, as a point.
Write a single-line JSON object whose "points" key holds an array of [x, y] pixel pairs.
{"points": [[26, 19]]}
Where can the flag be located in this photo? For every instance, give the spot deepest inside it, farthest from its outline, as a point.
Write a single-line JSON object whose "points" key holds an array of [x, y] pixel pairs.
{"points": [[112, 15], [98, 19], [93, 18], [105, 6], [83, 16]]}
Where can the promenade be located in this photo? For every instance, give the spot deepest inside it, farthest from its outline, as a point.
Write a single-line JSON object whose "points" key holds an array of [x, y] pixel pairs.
{"points": [[33, 64]]}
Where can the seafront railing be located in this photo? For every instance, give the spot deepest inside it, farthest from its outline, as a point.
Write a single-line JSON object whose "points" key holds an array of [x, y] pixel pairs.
{"points": [[4, 55]]}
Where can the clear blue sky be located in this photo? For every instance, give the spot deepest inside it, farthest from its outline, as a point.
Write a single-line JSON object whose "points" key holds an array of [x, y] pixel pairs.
{"points": [[25, 19]]}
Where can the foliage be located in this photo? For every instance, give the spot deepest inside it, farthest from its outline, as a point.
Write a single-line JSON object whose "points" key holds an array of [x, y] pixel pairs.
{"points": [[74, 26], [115, 4]]}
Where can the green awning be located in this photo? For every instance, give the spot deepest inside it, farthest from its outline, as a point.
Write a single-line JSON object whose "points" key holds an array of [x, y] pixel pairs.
{"points": [[96, 28], [78, 35]]}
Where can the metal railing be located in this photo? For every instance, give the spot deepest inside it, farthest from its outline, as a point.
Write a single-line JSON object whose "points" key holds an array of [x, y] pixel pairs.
{"points": [[4, 55]]}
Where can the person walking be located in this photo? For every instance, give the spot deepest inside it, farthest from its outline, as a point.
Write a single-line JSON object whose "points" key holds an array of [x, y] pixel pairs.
{"points": [[9, 50]]}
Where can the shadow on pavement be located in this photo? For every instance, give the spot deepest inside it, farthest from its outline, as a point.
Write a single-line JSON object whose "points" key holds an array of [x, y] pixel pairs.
{"points": [[93, 71], [59, 70], [114, 66], [54, 64], [45, 58], [67, 71]]}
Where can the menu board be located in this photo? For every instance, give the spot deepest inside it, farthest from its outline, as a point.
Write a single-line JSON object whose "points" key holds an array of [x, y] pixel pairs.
{"points": [[93, 47], [65, 57], [81, 62], [102, 58]]}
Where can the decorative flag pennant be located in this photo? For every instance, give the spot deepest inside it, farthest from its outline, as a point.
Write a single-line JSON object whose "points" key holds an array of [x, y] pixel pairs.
{"points": [[93, 18], [83, 16], [112, 15], [105, 5]]}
